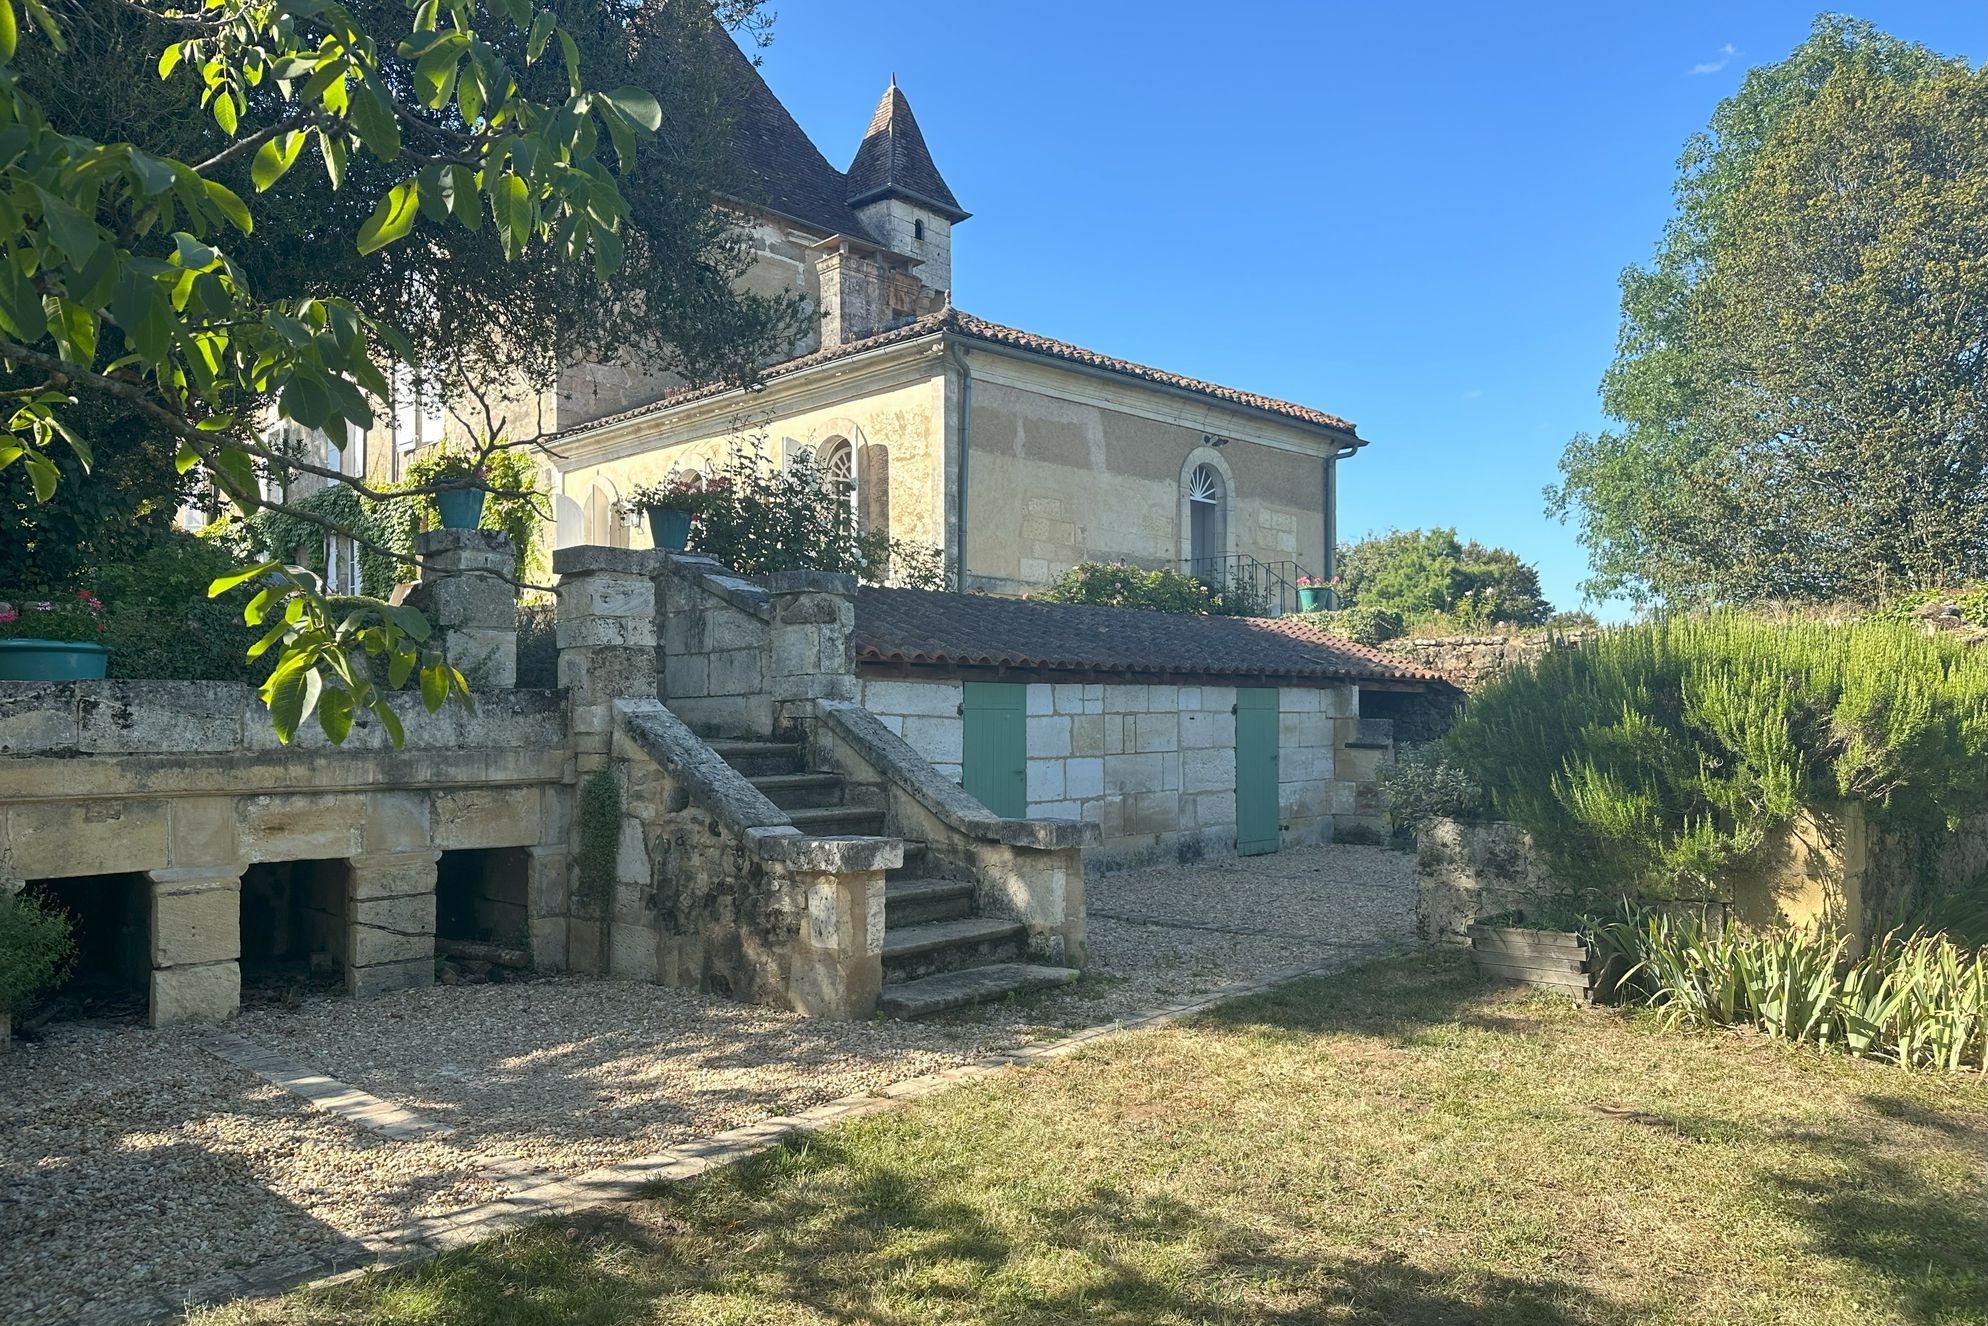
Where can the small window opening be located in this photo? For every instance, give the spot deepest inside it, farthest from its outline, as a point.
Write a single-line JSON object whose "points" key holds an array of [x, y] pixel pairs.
{"points": [[917, 228]]}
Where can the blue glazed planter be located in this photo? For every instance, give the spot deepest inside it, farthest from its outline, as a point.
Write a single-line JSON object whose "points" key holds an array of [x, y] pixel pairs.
{"points": [[1311, 600], [670, 528], [461, 508], [51, 660]]}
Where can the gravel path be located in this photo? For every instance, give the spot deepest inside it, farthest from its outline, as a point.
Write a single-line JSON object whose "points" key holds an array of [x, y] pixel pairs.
{"points": [[136, 1166]]}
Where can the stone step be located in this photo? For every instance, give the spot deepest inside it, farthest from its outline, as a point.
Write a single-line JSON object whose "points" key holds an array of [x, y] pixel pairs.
{"points": [[974, 985], [801, 791], [975, 941], [754, 758], [919, 863], [910, 902], [838, 819]]}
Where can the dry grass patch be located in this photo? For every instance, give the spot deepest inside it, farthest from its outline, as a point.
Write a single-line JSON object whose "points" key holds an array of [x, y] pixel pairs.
{"points": [[1397, 1144]]}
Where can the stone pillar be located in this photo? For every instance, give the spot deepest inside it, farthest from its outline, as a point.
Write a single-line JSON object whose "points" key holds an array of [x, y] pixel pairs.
{"points": [[474, 609], [814, 614], [838, 958], [390, 922], [196, 945], [606, 634], [548, 893]]}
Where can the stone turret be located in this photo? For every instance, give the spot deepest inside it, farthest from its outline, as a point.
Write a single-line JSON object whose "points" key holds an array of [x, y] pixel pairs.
{"points": [[899, 194]]}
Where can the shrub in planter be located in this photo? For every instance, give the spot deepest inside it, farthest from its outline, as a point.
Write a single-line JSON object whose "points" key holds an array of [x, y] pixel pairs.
{"points": [[674, 503], [57, 638], [461, 480], [36, 952]]}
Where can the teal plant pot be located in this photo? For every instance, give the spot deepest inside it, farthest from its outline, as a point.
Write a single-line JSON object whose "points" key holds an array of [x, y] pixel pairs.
{"points": [[51, 660], [1311, 600], [461, 508], [670, 528]]}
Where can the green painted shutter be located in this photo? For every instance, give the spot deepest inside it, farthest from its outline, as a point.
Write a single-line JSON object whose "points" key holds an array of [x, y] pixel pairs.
{"points": [[1256, 771], [996, 746]]}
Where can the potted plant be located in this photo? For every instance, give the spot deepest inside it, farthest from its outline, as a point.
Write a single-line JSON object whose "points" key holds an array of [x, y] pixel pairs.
{"points": [[1312, 591], [459, 482], [671, 504], [52, 639]]}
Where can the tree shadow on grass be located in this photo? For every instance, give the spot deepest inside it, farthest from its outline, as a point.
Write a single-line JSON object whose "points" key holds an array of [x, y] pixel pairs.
{"points": [[818, 1231], [1864, 1204]]}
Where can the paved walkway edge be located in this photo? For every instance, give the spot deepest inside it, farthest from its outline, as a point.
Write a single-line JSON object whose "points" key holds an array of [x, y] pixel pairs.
{"points": [[629, 1179]]}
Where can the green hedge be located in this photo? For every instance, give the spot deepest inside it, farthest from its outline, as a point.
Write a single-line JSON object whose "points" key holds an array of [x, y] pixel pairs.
{"points": [[1655, 756]]}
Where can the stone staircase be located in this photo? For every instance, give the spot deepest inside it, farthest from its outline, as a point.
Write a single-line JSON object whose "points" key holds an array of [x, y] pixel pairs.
{"points": [[939, 953]]}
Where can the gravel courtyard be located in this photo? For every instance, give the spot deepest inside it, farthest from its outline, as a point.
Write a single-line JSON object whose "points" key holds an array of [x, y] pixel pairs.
{"points": [[140, 1170]]}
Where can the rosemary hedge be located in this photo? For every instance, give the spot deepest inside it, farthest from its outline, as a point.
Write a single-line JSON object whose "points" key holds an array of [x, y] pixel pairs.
{"points": [[1656, 756]]}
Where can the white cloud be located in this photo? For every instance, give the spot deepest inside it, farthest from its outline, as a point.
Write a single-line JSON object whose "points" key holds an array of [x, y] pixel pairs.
{"points": [[1726, 54]]}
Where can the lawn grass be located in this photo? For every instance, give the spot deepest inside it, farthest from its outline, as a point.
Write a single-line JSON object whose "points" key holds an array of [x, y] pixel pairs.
{"points": [[1398, 1144]]}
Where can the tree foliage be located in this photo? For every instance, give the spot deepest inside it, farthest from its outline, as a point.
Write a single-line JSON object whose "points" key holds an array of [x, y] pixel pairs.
{"points": [[1418, 574], [420, 169], [1798, 384], [756, 516], [1653, 757]]}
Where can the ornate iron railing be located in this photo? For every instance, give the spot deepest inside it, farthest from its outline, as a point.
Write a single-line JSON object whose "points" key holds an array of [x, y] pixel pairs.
{"points": [[1271, 588]]}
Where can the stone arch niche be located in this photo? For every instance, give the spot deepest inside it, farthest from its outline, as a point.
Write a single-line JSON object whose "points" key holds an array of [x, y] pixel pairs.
{"points": [[1207, 512]]}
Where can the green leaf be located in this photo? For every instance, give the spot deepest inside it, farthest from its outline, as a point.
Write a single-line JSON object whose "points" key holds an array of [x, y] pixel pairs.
{"points": [[275, 157], [434, 206], [335, 715], [399, 668], [21, 312], [409, 620], [541, 33], [8, 34], [75, 234], [392, 219], [75, 329], [459, 191], [638, 104], [222, 584], [169, 60], [154, 175], [225, 114], [230, 206], [390, 721], [434, 686], [304, 398], [372, 115], [284, 694], [42, 474]]}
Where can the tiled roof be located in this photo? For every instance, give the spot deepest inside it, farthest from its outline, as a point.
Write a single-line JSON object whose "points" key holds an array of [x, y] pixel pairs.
{"points": [[776, 164], [893, 160], [921, 627], [954, 322]]}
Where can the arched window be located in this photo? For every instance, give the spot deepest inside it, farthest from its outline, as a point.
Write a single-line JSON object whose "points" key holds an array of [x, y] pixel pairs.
{"points": [[835, 461], [1207, 519]]}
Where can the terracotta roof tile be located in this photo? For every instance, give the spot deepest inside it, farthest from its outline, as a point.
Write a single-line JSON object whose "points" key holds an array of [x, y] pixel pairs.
{"points": [[953, 321], [921, 627]]}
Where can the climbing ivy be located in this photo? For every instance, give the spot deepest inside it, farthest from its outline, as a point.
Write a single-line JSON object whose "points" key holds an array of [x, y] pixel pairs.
{"points": [[598, 828]]}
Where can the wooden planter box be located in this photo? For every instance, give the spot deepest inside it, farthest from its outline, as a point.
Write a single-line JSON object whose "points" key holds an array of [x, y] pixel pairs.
{"points": [[1551, 959]]}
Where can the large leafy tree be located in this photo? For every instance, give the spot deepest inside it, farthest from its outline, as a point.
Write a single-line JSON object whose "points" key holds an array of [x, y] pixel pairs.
{"points": [[219, 212], [1427, 573], [1798, 382]]}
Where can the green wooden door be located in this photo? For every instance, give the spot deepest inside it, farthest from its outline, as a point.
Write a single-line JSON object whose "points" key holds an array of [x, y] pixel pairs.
{"points": [[1256, 771], [996, 746]]}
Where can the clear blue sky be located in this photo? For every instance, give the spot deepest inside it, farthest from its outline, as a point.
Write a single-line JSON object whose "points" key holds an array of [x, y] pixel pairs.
{"points": [[1409, 215]]}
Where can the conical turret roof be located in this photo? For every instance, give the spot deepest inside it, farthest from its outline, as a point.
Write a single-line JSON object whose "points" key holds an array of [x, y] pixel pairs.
{"points": [[894, 162]]}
